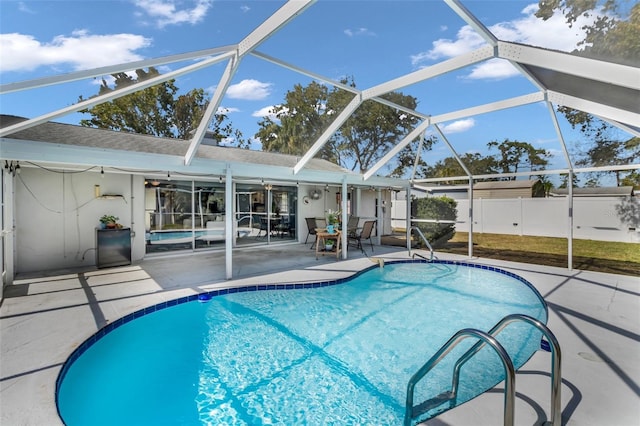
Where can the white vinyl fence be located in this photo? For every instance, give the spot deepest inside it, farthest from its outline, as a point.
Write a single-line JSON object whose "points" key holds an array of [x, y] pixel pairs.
{"points": [[594, 218]]}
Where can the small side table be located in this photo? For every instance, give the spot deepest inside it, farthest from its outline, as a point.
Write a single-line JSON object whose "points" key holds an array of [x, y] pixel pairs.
{"points": [[322, 236]]}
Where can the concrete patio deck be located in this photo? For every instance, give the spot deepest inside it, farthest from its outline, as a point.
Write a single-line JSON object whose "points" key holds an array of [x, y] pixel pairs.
{"points": [[596, 318]]}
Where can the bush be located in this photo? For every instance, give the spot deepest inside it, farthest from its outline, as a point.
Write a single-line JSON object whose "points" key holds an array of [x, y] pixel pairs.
{"points": [[435, 208]]}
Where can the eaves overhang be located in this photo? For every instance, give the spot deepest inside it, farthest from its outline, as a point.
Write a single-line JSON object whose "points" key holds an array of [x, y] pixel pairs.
{"points": [[75, 157]]}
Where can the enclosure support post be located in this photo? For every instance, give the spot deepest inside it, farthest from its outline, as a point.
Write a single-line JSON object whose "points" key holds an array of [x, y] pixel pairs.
{"points": [[408, 217], [470, 217], [570, 224], [379, 214], [345, 217], [228, 225]]}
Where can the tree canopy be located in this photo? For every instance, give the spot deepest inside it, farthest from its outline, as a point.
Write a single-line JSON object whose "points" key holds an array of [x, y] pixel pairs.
{"points": [[612, 35], [156, 110], [512, 157], [359, 143], [613, 30], [294, 126]]}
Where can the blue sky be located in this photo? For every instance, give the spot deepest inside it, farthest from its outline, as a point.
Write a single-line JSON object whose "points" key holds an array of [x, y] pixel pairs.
{"points": [[373, 41]]}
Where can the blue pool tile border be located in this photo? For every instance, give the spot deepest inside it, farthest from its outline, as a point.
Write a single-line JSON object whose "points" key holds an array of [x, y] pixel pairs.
{"points": [[259, 287]]}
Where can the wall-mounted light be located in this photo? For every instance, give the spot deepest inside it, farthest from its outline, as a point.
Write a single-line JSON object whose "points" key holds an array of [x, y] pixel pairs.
{"points": [[102, 172], [11, 167], [269, 187], [168, 175], [220, 178]]}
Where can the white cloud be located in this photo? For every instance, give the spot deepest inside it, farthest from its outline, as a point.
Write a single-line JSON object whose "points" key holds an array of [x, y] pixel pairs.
{"points": [[466, 41], [166, 12], [245, 8], [493, 69], [81, 50], [251, 90], [528, 29], [268, 111], [359, 32], [458, 126], [226, 110], [23, 7]]}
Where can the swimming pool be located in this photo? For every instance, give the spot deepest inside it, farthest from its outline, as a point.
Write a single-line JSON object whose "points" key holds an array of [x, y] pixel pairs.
{"points": [[173, 237], [299, 353], [181, 237]]}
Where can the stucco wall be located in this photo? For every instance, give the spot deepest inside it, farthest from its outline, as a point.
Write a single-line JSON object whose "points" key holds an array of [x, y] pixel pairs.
{"points": [[366, 209], [57, 214]]}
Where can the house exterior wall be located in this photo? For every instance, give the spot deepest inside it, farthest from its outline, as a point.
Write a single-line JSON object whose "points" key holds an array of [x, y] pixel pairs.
{"points": [[57, 215], [362, 205]]}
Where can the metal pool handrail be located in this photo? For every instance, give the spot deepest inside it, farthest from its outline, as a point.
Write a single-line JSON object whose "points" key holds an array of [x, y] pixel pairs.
{"points": [[556, 375], [510, 375], [415, 228]]}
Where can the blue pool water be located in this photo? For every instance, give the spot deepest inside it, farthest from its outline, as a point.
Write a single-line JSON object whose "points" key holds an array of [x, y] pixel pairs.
{"points": [[173, 236], [331, 354]]}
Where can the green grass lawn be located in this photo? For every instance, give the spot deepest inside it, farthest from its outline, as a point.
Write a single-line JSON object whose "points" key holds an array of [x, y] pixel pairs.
{"points": [[601, 256], [626, 252]]}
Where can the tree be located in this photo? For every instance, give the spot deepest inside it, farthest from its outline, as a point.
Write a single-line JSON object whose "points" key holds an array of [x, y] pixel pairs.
{"points": [[476, 163], [613, 35], [374, 128], [564, 181], [613, 31], [407, 158], [515, 155], [608, 148], [362, 140], [547, 185], [156, 110], [632, 179], [436, 208], [298, 122]]}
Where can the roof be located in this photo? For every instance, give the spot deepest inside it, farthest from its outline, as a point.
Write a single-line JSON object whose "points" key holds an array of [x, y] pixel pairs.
{"points": [[67, 134], [608, 191], [505, 184]]}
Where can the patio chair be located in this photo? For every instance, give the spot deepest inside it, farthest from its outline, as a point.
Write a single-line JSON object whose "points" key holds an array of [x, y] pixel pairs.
{"points": [[264, 226], [364, 234], [311, 225], [352, 225]]}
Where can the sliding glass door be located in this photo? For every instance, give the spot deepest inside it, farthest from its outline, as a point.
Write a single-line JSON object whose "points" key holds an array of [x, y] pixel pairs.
{"points": [[267, 211], [191, 215]]}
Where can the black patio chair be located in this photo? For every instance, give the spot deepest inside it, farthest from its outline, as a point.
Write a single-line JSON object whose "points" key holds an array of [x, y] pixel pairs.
{"points": [[365, 234], [311, 225]]}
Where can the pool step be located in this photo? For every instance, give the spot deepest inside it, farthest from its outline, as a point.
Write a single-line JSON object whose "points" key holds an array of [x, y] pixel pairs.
{"points": [[432, 403], [413, 412]]}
